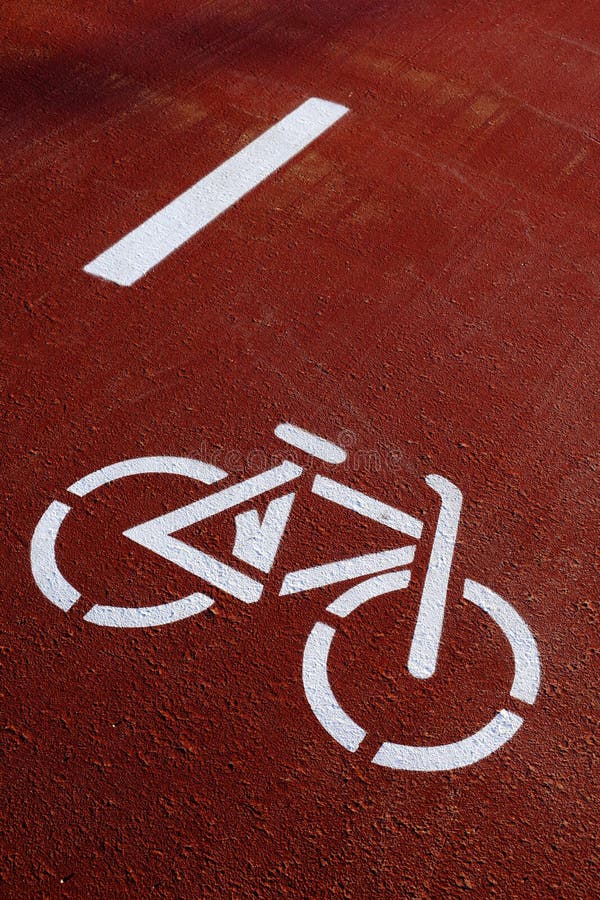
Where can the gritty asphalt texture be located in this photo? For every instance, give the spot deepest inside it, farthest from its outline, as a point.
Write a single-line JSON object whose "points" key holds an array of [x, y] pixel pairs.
{"points": [[419, 285]]}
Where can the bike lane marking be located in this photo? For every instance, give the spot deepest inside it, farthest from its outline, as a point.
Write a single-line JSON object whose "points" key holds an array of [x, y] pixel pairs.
{"points": [[345, 569], [468, 355], [428, 631], [310, 443], [134, 255]]}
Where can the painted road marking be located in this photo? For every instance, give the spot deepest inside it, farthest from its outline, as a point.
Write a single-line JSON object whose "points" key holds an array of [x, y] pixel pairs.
{"points": [[257, 541], [147, 465], [347, 602], [526, 682], [310, 443], [319, 693], [420, 758], [149, 616], [423, 655], [44, 568], [156, 535], [147, 245], [360, 503], [445, 757], [346, 569]]}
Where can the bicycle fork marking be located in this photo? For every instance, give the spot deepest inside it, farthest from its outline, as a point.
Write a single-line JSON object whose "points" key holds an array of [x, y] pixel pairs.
{"points": [[257, 542]]}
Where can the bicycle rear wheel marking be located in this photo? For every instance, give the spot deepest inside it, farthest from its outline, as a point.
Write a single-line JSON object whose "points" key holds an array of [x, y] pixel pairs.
{"points": [[48, 577], [148, 616]]}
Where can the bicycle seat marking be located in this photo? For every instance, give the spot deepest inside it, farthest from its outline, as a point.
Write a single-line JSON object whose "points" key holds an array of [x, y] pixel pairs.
{"points": [[257, 542]]}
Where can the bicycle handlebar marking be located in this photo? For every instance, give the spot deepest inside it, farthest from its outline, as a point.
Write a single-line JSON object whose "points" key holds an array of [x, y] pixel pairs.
{"points": [[257, 542]]}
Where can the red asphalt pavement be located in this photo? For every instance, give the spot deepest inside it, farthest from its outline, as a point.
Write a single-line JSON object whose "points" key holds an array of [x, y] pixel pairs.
{"points": [[418, 285]]}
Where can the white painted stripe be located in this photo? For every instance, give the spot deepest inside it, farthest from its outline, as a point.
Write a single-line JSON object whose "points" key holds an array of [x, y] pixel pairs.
{"points": [[424, 648], [350, 600], [527, 677], [215, 503], [198, 563], [366, 506], [156, 534], [44, 567], [319, 694], [145, 465], [148, 616], [444, 757], [257, 542], [142, 249], [310, 443], [344, 569]]}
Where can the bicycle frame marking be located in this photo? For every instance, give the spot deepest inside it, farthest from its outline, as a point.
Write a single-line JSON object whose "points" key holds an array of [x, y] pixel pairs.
{"points": [[156, 535], [257, 542]]}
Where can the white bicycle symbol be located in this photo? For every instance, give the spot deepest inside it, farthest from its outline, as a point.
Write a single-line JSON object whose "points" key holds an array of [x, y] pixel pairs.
{"points": [[257, 542]]}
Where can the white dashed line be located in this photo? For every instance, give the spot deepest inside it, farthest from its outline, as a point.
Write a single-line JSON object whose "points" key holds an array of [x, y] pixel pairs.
{"points": [[147, 245]]}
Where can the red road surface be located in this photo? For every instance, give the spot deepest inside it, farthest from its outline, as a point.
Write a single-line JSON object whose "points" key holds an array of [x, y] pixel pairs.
{"points": [[418, 285]]}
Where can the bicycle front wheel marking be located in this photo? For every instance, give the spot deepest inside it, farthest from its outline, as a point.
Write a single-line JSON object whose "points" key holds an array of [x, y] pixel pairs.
{"points": [[442, 757]]}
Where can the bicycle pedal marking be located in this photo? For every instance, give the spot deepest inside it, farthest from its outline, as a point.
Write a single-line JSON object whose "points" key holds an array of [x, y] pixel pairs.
{"points": [[256, 543]]}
